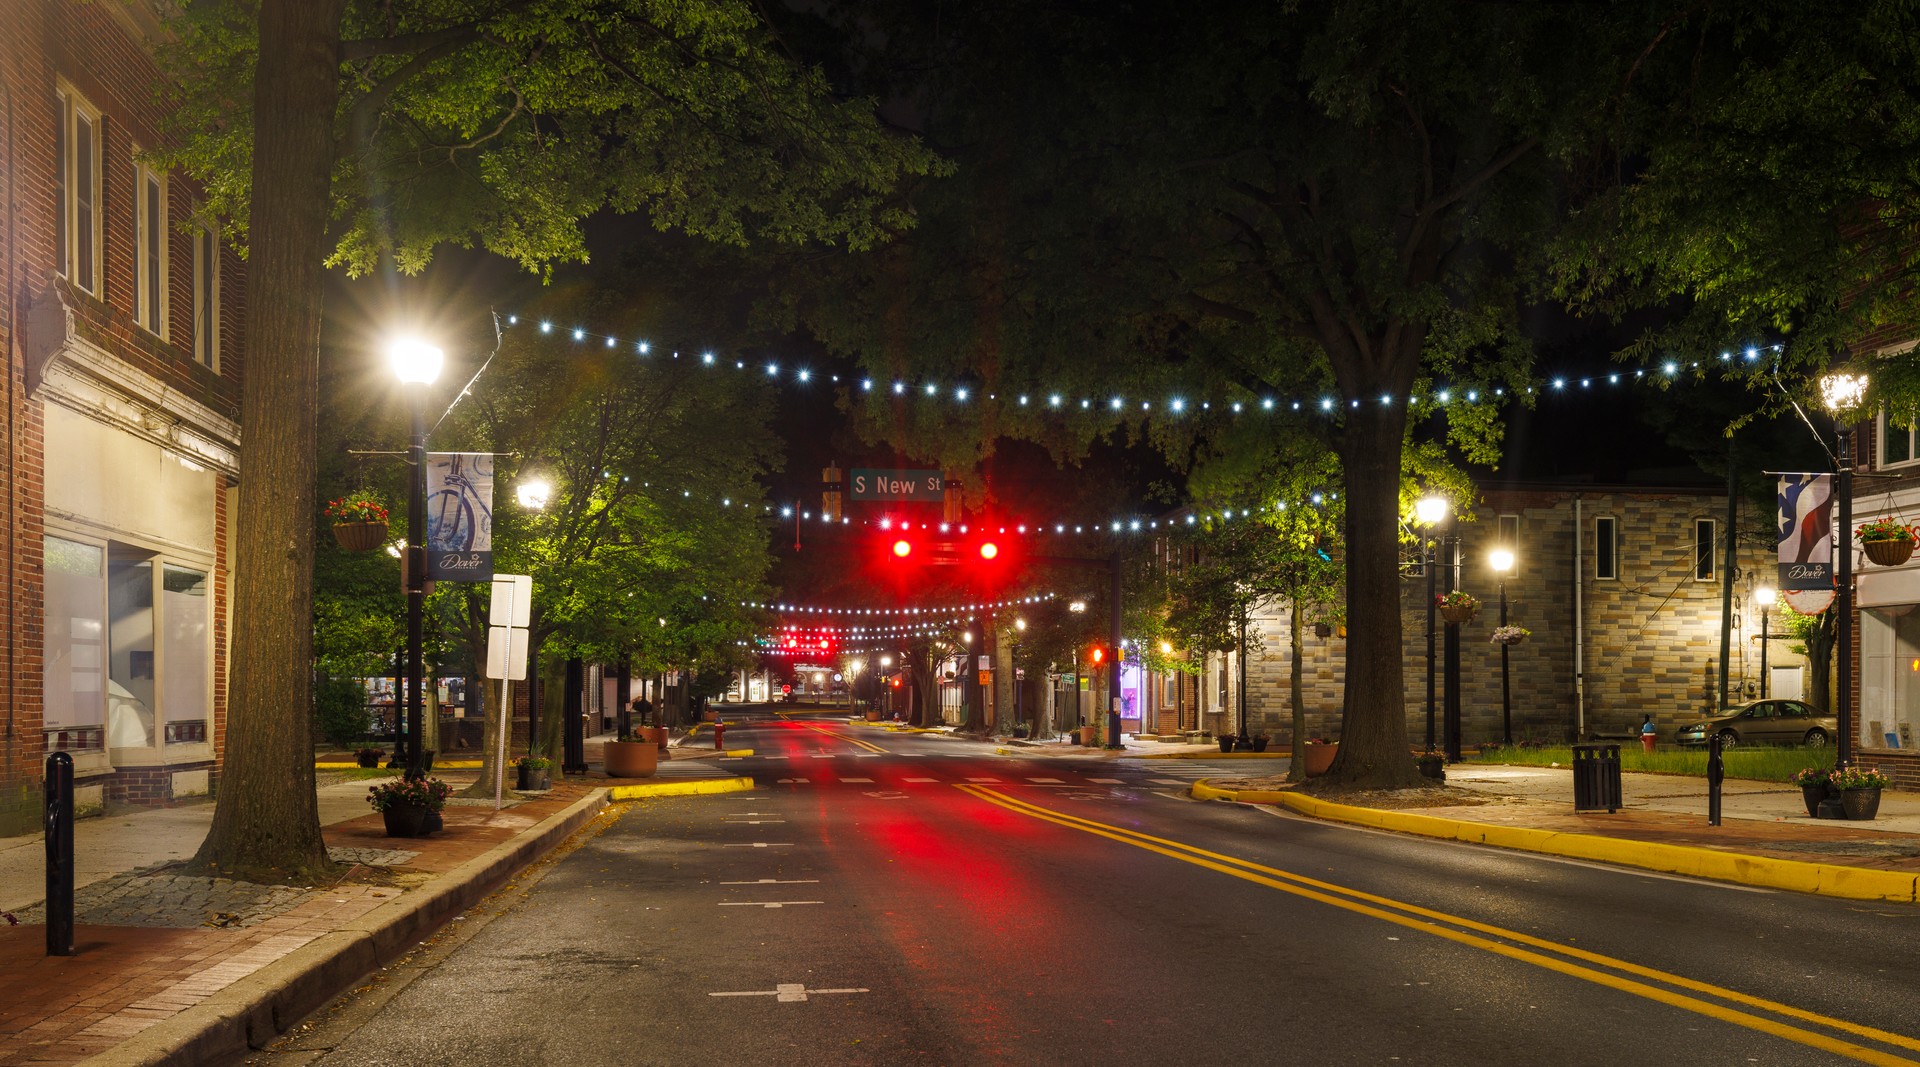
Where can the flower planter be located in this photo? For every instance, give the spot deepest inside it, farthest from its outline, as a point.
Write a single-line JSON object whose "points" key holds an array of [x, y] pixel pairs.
{"points": [[406, 820], [1888, 553], [873, 716], [1433, 767], [1259, 744], [372, 760], [1318, 758], [528, 780], [360, 536], [655, 734], [1812, 795], [631, 759], [1086, 735], [1457, 616], [1227, 741], [1860, 803]]}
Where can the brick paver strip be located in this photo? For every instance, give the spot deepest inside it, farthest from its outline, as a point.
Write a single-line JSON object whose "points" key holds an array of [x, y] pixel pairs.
{"points": [[154, 994]]}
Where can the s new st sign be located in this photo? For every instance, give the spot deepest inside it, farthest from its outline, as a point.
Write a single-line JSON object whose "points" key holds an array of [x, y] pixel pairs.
{"points": [[891, 485]]}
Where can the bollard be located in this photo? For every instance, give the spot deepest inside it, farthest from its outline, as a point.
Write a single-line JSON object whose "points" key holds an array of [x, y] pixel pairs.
{"points": [[719, 732], [59, 828], [1716, 772]]}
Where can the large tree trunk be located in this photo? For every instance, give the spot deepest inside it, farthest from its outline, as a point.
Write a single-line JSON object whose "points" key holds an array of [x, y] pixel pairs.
{"points": [[1374, 752], [266, 824]]}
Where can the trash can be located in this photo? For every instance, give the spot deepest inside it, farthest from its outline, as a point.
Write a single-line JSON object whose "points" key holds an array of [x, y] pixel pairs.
{"points": [[1596, 778]]}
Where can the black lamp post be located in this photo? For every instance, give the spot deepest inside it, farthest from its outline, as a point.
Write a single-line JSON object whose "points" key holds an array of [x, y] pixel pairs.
{"points": [[1428, 512], [1764, 596], [1450, 667], [1841, 393], [1502, 560], [416, 364]]}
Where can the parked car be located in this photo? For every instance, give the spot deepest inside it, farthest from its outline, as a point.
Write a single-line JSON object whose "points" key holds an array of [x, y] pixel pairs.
{"points": [[1780, 722]]}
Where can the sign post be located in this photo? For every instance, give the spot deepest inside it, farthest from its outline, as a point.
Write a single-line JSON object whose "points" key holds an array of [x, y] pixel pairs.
{"points": [[508, 616]]}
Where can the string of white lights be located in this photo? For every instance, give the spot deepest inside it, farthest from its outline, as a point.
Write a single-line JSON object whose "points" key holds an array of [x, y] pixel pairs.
{"points": [[945, 609]]}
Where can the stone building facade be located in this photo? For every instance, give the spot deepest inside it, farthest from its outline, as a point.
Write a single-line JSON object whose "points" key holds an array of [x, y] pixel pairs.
{"points": [[122, 326], [1621, 589]]}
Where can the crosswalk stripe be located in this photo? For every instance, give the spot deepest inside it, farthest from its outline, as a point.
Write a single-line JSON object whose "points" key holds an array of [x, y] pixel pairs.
{"points": [[861, 781], [985, 781], [1044, 781], [1096, 781], [1166, 781], [923, 779]]}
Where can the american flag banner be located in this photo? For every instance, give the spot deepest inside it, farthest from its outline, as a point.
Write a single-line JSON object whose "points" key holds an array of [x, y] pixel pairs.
{"points": [[1806, 531]]}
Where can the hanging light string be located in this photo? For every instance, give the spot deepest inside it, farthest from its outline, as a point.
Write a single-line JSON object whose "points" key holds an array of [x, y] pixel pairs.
{"points": [[1178, 405], [946, 609]]}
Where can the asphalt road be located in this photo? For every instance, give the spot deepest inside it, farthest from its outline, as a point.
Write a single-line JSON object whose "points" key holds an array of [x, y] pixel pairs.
{"points": [[886, 898]]}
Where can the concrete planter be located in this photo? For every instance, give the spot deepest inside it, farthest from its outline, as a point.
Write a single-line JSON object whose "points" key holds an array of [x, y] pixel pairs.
{"points": [[631, 759], [1318, 758]]}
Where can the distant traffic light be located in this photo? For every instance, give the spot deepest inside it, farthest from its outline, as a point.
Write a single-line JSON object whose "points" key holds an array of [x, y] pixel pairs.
{"points": [[989, 550], [1096, 655], [902, 548]]}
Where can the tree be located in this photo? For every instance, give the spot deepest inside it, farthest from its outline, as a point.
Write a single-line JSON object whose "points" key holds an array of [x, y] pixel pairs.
{"points": [[1815, 634], [502, 126]]}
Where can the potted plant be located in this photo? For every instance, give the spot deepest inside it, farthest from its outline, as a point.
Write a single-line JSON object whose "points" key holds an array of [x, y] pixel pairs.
{"points": [[1887, 541], [1086, 735], [1859, 789], [359, 521], [1813, 787], [368, 757], [1260, 742], [1511, 635], [1457, 607], [1318, 755], [410, 806], [530, 773], [1433, 765], [1227, 741], [632, 756]]}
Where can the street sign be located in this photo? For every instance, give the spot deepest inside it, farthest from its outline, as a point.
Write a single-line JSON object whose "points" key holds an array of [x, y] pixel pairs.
{"points": [[509, 612], [516, 607], [507, 653], [909, 485]]}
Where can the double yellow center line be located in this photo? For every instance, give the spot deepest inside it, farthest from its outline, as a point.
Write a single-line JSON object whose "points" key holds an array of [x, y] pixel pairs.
{"points": [[1620, 974], [842, 736]]}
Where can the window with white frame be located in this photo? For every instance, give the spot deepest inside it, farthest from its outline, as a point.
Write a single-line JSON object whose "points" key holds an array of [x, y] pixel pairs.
{"points": [[1896, 442], [1703, 542], [206, 298], [77, 148], [1606, 548], [150, 249], [1510, 534]]}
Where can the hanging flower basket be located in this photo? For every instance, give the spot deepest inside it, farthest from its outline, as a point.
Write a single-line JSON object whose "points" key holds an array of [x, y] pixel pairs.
{"points": [[1888, 553], [1511, 635], [1457, 607], [360, 536]]}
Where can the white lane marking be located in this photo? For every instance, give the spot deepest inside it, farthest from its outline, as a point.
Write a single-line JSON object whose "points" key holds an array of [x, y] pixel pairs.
{"points": [[1166, 781], [1106, 781], [868, 755], [887, 794], [743, 814], [766, 903], [862, 781], [985, 781], [824, 755], [755, 822], [787, 992], [776, 757], [921, 779], [1044, 781], [794, 781], [777, 881], [763, 844]]}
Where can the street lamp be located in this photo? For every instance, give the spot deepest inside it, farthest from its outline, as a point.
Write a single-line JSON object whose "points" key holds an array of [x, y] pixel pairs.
{"points": [[416, 364], [533, 493], [1842, 393], [1502, 561], [1764, 596], [1428, 512]]}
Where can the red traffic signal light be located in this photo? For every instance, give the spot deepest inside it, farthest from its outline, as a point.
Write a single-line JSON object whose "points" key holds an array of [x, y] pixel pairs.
{"points": [[1096, 655], [989, 550], [902, 548]]}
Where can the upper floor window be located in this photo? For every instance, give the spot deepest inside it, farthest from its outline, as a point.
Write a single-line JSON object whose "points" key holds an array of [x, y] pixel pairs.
{"points": [[1509, 534], [1703, 541], [77, 140], [206, 298], [1606, 547], [150, 249], [1897, 444]]}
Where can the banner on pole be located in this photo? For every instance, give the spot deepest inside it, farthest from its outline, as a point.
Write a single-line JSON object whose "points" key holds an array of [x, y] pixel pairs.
{"points": [[459, 526], [1806, 531]]}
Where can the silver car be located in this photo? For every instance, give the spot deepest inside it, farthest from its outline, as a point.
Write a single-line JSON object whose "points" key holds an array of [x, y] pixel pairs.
{"points": [[1779, 722]]}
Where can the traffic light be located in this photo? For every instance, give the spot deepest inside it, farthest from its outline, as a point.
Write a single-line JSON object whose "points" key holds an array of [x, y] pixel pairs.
{"points": [[902, 548], [1096, 655]]}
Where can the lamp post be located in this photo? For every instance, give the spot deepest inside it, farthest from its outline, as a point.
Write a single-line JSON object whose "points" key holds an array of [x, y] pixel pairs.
{"points": [[1502, 560], [1764, 596], [1842, 393], [416, 364], [1428, 512]]}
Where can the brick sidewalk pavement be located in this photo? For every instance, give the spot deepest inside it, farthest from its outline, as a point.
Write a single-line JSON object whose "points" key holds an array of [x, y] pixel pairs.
{"points": [[124, 979]]}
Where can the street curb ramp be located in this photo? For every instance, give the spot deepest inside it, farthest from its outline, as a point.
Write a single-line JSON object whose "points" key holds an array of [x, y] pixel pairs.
{"points": [[1822, 879], [254, 1010]]}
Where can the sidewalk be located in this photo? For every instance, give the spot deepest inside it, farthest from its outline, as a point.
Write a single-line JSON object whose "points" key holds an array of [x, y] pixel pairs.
{"points": [[179, 969], [1765, 837]]}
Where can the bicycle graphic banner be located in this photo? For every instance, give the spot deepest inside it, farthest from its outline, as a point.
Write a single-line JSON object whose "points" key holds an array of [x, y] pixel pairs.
{"points": [[460, 516]]}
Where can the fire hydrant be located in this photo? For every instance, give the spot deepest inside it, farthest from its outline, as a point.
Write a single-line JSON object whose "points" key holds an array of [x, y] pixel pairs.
{"points": [[719, 733], [1647, 735]]}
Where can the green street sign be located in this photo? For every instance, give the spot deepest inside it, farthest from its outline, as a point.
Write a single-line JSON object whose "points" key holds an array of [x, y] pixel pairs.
{"points": [[892, 485]]}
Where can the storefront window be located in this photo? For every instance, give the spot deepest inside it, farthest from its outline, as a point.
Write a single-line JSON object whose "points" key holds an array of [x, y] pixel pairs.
{"points": [[1890, 677], [75, 591], [183, 609], [130, 668]]}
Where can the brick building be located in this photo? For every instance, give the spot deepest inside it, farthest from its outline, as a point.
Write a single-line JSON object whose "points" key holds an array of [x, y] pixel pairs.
{"points": [[122, 327], [1621, 588]]}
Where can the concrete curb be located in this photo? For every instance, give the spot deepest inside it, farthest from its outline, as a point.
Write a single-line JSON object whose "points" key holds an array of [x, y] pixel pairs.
{"points": [[1822, 879], [260, 1007], [1283, 754], [696, 787], [448, 765]]}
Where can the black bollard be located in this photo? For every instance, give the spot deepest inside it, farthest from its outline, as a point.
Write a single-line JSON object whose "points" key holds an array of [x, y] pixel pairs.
{"points": [[59, 824], [1716, 773]]}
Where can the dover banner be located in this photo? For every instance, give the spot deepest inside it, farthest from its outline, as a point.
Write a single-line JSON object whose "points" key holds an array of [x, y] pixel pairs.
{"points": [[460, 516], [1806, 531]]}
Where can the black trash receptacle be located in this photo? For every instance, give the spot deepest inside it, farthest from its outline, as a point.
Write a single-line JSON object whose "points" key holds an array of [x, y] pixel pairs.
{"points": [[1596, 778]]}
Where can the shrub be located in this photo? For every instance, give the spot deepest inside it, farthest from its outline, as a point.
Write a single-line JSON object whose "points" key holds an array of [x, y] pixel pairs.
{"points": [[340, 710]]}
